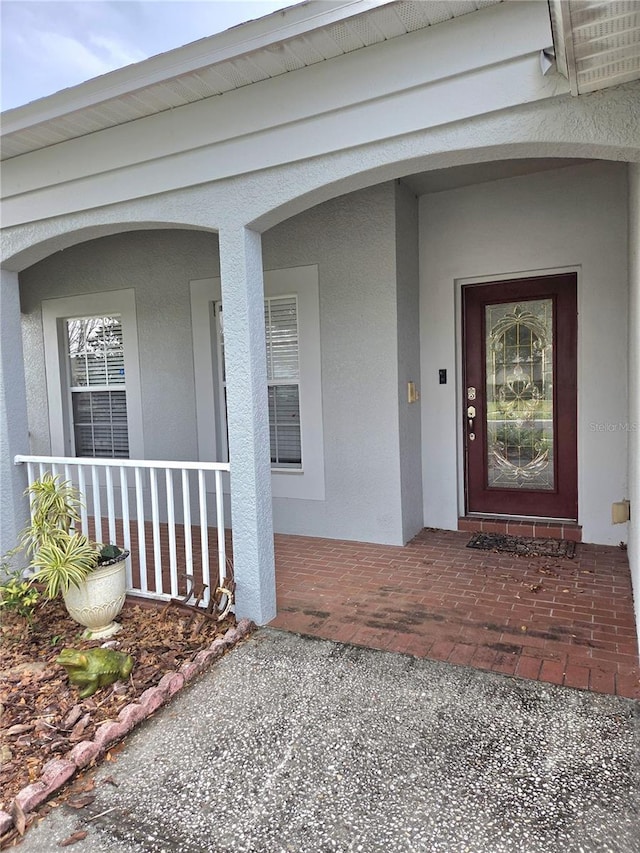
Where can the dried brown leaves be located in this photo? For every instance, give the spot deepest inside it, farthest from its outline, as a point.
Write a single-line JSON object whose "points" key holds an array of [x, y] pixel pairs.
{"points": [[40, 715]]}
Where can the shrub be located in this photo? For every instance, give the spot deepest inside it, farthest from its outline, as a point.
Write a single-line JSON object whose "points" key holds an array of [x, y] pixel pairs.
{"points": [[17, 593]]}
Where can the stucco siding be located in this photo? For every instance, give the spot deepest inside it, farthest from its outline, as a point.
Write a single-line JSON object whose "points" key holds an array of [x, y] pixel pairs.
{"points": [[634, 381], [13, 415], [573, 218], [158, 266], [364, 248], [410, 436], [352, 240]]}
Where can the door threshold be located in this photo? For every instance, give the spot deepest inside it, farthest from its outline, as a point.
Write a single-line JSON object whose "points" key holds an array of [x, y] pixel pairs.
{"points": [[548, 529]]}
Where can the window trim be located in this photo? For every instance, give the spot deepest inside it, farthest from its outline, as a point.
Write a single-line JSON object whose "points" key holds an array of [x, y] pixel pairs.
{"points": [[308, 482], [54, 314], [271, 383]]}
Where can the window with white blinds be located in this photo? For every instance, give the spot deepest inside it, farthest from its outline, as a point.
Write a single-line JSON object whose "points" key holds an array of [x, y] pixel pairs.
{"points": [[97, 386], [283, 378]]}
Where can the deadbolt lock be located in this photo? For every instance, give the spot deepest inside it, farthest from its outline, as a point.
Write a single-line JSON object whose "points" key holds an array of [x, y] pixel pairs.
{"points": [[471, 393]]}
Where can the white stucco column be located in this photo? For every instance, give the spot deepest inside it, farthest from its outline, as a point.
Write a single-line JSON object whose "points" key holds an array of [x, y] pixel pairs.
{"points": [[634, 382], [248, 423], [14, 436]]}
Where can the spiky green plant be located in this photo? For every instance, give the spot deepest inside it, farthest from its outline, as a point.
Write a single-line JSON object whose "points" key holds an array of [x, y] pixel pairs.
{"points": [[55, 509], [63, 561], [60, 555]]}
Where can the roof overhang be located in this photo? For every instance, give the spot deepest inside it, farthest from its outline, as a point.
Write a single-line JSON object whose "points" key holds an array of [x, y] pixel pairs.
{"points": [[597, 45], [276, 44]]}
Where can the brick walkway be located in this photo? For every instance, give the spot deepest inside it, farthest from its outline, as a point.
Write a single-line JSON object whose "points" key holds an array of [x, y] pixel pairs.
{"points": [[564, 621]]}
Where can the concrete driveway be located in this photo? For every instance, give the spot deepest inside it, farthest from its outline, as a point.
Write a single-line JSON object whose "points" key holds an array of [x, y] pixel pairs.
{"points": [[305, 745]]}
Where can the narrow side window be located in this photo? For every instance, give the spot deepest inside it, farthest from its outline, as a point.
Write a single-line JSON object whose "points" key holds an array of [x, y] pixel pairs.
{"points": [[283, 378]]}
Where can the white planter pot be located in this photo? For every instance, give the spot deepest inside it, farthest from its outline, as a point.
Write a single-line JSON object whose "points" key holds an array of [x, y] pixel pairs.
{"points": [[99, 599]]}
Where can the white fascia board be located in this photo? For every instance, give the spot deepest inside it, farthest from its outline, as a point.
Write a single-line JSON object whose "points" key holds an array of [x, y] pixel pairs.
{"points": [[439, 58], [495, 88], [246, 38], [563, 42]]}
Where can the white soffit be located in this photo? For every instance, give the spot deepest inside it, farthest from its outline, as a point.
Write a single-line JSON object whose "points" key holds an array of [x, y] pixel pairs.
{"points": [[597, 42], [267, 47]]}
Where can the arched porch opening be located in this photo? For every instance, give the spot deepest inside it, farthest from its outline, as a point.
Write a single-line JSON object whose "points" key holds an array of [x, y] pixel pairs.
{"points": [[326, 232]]}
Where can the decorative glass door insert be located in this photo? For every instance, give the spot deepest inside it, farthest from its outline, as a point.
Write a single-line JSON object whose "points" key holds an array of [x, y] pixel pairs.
{"points": [[519, 394]]}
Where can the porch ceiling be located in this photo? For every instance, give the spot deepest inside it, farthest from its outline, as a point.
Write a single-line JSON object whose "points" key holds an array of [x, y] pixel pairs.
{"points": [[284, 41], [441, 180]]}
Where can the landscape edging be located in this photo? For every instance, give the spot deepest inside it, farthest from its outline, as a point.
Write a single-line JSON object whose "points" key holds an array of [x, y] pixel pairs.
{"points": [[57, 772]]}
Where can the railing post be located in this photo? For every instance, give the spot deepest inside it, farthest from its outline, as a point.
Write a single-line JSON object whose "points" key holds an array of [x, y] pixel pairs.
{"points": [[126, 524], [204, 534], [84, 513], [142, 540], [186, 516], [155, 528], [222, 546], [171, 530], [97, 504], [111, 506]]}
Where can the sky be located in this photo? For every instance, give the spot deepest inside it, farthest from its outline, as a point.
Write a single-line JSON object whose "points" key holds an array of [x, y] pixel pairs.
{"points": [[48, 45]]}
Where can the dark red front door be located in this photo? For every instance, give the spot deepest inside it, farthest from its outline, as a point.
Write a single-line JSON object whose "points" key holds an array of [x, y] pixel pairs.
{"points": [[520, 347]]}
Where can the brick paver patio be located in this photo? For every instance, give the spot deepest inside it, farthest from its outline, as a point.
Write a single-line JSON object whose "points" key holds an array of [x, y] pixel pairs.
{"points": [[564, 621]]}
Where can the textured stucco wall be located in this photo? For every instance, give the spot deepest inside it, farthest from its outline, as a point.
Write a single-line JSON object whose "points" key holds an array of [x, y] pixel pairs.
{"points": [[158, 265], [408, 297], [563, 218], [13, 416], [352, 239], [596, 126], [634, 381]]}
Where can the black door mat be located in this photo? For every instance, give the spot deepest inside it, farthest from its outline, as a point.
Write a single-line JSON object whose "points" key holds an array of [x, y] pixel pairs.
{"points": [[526, 547]]}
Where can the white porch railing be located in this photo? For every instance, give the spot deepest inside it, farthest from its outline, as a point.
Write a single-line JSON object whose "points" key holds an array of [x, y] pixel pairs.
{"points": [[152, 509]]}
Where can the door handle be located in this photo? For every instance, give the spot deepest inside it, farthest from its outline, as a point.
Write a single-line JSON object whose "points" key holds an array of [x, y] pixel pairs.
{"points": [[471, 413]]}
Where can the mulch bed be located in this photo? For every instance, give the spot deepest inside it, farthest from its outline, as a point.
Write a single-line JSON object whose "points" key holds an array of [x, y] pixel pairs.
{"points": [[525, 546], [41, 716]]}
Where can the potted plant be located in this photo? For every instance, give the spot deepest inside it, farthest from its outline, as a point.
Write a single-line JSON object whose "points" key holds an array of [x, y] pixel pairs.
{"points": [[89, 575]]}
